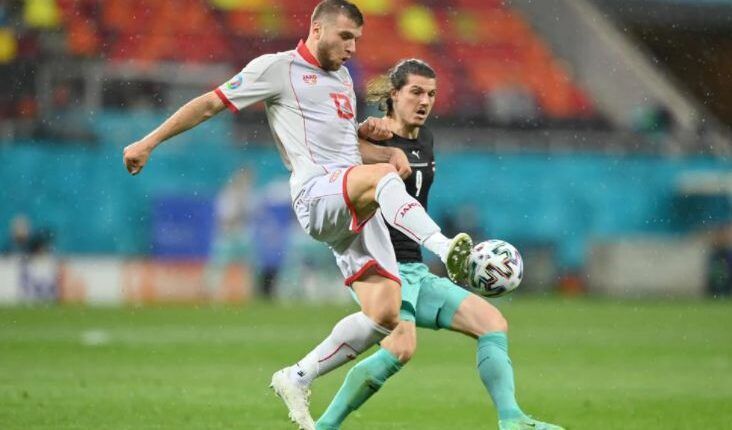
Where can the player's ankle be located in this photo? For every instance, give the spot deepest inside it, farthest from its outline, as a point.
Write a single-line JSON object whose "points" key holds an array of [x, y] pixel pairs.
{"points": [[299, 376], [438, 244]]}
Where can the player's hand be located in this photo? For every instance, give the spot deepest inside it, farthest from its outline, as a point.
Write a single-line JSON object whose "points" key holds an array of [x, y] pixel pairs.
{"points": [[375, 129], [400, 161], [135, 156]]}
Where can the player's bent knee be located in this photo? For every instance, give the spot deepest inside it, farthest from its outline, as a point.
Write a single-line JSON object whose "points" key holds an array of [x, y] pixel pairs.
{"points": [[402, 348], [380, 299], [402, 342], [385, 317], [500, 324], [380, 170], [495, 322], [384, 168], [480, 317]]}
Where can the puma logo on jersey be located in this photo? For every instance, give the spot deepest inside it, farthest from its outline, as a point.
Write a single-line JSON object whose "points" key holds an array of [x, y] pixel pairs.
{"points": [[310, 79], [416, 153]]}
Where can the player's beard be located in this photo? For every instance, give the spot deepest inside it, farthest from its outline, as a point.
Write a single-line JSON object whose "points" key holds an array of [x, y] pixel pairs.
{"points": [[323, 55]]}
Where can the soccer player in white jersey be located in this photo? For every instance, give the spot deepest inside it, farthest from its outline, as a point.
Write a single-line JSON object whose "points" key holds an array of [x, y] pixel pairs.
{"points": [[407, 95], [343, 189]]}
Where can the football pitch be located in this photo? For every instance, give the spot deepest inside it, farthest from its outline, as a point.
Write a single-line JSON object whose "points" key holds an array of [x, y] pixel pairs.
{"points": [[586, 364]]}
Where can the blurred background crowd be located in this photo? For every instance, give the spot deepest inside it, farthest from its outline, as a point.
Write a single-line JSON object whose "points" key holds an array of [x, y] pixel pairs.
{"points": [[594, 135]]}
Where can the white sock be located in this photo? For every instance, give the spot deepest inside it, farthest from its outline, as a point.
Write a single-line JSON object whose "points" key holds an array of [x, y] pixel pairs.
{"points": [[350, 336], [403, 211], [438, 244]]}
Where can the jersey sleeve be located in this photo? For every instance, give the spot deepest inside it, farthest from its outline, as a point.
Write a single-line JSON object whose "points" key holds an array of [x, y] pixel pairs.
{"points": [[261, 79]]}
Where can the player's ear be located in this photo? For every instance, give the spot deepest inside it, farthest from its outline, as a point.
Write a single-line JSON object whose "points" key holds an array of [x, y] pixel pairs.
{"points": [[316, 29]]}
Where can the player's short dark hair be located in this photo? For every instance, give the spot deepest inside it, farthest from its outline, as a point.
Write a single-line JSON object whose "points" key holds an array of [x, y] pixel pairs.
{"points": [[335, 7], [379, 89]]}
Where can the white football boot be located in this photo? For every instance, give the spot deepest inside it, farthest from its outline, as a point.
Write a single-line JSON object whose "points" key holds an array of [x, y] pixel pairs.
{"points": [[296, 398]]}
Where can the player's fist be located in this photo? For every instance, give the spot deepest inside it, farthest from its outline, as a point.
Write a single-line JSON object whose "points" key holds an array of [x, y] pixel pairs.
{"points": [[135, 156], [375, 129], [400, 161]]}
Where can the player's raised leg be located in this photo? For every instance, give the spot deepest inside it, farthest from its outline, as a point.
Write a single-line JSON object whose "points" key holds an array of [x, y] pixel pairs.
{"points": [[373, 185], [380, 299], [368, 376], [483, 321]]}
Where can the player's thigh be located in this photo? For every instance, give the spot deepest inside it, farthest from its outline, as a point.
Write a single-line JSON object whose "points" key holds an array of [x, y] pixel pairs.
{"points": [[476, 317], [379, 297], [438, 302], [326, 212], [322, 209], [361, 186], [411, 275], [402, 342]]}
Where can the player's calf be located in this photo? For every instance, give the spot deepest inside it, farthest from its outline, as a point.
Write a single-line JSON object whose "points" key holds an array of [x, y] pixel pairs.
{"points": [[476, 317]]}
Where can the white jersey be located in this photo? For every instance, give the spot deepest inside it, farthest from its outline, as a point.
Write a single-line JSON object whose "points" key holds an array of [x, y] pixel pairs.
{"points": [[310, 111]]}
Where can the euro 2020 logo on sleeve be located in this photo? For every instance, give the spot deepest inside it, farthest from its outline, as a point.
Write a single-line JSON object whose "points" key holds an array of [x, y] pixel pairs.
{"points": [[235, 82]]}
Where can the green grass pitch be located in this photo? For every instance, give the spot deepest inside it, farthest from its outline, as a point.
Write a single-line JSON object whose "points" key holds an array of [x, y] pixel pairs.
{"points": [[587, 364]]}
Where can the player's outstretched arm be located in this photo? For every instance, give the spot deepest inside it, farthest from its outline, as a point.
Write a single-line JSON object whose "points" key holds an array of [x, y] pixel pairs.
{"points": [[371, 154], [188, 116], [375, 129]]}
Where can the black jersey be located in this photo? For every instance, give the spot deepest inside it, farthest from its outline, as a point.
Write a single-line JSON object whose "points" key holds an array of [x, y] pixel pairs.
{"points": [[422, 160]]}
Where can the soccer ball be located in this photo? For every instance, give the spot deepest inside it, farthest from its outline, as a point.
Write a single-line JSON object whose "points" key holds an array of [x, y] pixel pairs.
{"points": [[495, 268]]}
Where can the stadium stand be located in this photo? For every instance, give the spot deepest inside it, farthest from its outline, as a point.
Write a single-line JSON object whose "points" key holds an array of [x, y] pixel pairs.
{"points": [[486, 54], [84, 78]]}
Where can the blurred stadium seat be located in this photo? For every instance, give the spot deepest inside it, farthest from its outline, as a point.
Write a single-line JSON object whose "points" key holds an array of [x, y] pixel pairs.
{"points": [[484, 41]]}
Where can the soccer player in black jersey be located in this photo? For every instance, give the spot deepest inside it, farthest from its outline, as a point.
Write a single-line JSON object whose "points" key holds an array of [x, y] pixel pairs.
{"points": [[407, 95]]}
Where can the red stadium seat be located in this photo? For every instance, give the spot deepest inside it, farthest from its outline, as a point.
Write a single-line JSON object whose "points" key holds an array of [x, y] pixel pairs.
{"points": [[83, 37], [479, 4], [483, 44]]}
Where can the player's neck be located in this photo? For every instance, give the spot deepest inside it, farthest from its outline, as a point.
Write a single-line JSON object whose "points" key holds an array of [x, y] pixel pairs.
{"points": [[312, 46], [402, 129]]}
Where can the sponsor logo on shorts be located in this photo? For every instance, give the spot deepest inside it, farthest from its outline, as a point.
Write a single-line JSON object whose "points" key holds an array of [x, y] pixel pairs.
{"points": [[310, 79], [406, 208], [335, 175]]}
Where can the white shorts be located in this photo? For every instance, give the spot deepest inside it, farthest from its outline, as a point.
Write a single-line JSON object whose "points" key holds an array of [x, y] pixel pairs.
{"points": [[325, 212]]}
